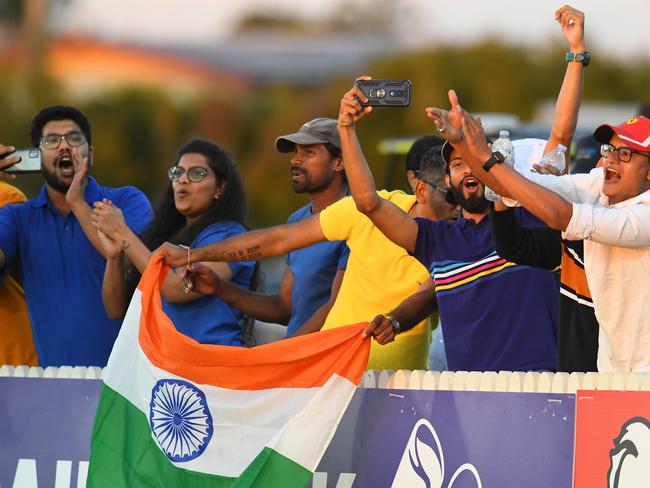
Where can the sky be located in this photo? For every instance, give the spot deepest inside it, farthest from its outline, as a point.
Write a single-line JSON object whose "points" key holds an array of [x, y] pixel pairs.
{"points": [[620, 28]]}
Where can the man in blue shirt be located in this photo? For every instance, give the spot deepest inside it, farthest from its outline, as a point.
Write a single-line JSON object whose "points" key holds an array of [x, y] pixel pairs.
{"points": [[313, 274], [51, 243]]}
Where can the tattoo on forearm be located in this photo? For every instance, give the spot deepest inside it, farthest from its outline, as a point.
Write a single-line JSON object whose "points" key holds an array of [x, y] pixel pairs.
{"points": [[254, 252], [125, 245], [248, 254]]}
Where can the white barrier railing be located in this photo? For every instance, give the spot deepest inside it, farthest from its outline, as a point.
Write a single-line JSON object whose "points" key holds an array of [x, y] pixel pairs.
{"points": [[68, 372], [504, 381]]}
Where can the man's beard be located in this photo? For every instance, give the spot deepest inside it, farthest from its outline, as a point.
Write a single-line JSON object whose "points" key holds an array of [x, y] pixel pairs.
{"points": [[53, 181], [475, 204], [306, 185]]}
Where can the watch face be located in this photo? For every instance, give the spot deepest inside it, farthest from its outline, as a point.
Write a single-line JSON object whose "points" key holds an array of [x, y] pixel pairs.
{"points": [[580, 57]]}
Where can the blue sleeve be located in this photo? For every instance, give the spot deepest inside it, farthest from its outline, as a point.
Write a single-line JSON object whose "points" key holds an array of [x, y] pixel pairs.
{"points": [[425, 243], [219, 232], [345, 254], [136, 208], [8, 234]]}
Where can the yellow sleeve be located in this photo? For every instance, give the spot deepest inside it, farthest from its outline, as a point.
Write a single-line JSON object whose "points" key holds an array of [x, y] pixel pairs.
{"points": [[10, 194], [337, 220]]}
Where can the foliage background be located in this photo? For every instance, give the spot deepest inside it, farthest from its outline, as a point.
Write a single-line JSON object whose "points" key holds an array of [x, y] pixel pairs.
{"points": [[136, 132]]}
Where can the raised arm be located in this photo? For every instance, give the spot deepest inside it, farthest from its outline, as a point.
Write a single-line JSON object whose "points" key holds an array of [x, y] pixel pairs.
{"points": [[107, 218], [539, 247], [396, 224], [568, 102], [545, 204], [251, 246], [74, 197]]}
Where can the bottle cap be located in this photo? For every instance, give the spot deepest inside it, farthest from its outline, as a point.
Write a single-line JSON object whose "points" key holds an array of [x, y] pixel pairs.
{"points": [[504, 133], [561, 147]]}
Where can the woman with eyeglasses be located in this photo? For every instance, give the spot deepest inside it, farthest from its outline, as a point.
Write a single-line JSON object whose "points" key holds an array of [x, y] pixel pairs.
{"points": [[205, 202]]}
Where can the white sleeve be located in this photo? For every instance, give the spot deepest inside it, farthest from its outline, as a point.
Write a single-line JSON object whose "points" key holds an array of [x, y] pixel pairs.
{"points": [[621, 227], [580, 188]]}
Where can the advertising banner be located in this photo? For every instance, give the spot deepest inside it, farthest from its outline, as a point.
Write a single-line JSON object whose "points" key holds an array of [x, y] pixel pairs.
{"points": [[45, 431], [452, 439], [399, 438], [612, 439]]}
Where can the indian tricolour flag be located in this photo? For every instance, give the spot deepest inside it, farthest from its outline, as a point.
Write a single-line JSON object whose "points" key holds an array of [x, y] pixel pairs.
{"points": [[177, 413]]}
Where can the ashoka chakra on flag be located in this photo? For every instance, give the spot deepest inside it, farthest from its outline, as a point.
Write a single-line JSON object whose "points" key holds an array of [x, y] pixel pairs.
{"points": [[180, 419]]}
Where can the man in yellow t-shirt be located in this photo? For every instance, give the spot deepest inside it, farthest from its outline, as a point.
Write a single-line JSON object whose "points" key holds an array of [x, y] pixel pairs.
{"points": [[16, 344], [379, 274]]}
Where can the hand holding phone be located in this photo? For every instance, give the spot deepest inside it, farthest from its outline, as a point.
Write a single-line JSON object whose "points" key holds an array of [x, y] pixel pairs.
{"points": [[385, 93], [29, 160]]}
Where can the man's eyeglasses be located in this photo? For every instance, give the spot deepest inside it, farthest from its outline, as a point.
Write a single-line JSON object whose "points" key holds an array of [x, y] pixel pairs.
{"points": [[72, 139], [623, 154], [441, 189], [194, 174]]}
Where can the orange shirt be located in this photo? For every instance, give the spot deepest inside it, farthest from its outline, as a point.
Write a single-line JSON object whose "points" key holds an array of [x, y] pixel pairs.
{"points": [[16, 344]]}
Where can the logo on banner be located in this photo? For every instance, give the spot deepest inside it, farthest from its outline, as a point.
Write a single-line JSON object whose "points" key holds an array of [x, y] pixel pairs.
{"points": [[423, 461], [630, 457], [180, 419]]}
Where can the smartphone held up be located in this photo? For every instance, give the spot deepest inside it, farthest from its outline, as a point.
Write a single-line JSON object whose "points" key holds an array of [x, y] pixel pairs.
{"points": [[30, 160], [385, 93]]}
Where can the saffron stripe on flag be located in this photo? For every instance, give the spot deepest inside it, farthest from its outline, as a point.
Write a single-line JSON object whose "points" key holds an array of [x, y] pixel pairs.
{"points": [[298, 362]]}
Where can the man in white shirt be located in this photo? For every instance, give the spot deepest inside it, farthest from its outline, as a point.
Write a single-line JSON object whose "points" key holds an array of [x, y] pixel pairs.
{"points": [[609, 208]]}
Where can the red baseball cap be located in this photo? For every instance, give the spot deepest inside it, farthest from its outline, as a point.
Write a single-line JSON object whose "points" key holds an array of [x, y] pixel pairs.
{"points": [[635, 132]]}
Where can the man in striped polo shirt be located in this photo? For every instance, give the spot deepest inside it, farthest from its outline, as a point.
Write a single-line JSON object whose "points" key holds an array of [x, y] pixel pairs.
{"points": [[495, 315]]}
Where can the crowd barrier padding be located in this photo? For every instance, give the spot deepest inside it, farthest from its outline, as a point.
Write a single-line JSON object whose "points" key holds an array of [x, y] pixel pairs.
{"points": [[402, 428]]}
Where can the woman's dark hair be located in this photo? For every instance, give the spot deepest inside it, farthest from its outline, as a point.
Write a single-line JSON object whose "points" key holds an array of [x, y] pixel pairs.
{"points": [[168, 224]]}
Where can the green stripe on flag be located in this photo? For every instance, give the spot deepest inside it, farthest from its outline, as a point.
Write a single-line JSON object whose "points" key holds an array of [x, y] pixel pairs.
{"points": [[271, 469], [124, 454]]}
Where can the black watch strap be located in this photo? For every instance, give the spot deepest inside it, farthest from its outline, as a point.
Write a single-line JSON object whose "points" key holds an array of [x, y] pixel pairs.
{"points": [[496, 157], [397, 328], [583, 58]]}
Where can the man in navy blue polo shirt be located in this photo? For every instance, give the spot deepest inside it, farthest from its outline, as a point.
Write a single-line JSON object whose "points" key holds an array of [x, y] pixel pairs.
{"points": [[495, 315], [51, 243]]}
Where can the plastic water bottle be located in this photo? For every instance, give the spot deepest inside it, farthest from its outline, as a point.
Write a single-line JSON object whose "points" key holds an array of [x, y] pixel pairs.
{"points": [[504, 145], [555, 158]]}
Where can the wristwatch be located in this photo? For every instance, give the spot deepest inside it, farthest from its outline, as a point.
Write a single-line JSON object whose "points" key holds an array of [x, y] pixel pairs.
{"points": [[397, 328], [496, 157], [579, 57]]}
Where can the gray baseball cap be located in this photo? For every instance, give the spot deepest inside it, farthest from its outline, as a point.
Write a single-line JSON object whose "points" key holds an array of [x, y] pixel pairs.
{"points": [[318, 131]]}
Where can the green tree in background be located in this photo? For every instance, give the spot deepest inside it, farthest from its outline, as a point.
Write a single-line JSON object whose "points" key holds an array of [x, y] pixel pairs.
{"points": [[137, 132]]}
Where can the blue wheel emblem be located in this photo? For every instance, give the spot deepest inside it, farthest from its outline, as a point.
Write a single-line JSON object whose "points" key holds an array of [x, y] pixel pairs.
{"points": [[180, 419]]}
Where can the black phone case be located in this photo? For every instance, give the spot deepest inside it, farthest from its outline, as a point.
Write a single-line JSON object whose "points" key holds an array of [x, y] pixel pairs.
{"points": [[386, 93]]}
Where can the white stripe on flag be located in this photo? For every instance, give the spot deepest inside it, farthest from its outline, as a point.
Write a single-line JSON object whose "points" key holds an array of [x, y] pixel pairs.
{"points": [[296, 422]]}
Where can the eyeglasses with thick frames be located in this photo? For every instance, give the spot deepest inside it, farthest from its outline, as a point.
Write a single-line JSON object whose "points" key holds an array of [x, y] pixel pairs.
{"points": [[623, 154], [53, 141], [194, 174]]}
